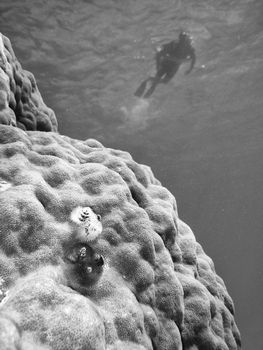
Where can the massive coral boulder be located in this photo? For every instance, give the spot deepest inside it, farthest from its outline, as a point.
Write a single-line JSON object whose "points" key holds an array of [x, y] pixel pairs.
{"points": [[94, 256], [21, 104]]}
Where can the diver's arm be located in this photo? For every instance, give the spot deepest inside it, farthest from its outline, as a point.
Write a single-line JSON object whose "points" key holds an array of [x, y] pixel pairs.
{"points": [[193, 59]]}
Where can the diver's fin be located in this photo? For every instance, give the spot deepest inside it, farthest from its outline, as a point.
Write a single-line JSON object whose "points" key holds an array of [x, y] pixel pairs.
{"points": [[150, 91], [139, 92]]}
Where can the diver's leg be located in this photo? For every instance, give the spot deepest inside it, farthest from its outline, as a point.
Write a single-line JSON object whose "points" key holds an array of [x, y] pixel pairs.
{"points": [[152, 88], [162, 76], [166, 78], [155, 81], [170, 74]]}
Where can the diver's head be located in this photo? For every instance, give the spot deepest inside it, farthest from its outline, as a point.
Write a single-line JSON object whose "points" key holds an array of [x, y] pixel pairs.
{"points": [[184, 37]]}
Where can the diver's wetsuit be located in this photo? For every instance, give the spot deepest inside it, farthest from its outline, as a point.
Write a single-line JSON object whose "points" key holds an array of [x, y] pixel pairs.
{"points": [[168, 61]]}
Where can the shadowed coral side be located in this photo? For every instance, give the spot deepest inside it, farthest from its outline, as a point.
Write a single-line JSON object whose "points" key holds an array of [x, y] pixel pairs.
{"points": [[21, 104]]}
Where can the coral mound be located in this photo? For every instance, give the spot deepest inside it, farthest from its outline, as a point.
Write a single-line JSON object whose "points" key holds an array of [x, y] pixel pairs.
{"points": [[157, 288], [93, 255], [21, 104]]}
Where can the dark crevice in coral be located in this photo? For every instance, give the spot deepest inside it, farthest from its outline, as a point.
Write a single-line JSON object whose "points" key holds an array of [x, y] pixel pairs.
{"points": [[154, 346], [138, 196]]}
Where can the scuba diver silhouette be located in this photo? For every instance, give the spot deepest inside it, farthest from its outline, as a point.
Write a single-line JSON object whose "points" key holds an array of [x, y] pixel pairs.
{"points": [[168, 60]]}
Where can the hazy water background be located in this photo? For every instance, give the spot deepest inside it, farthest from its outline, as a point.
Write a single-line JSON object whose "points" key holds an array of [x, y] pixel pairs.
{"points": [[201, 133]]}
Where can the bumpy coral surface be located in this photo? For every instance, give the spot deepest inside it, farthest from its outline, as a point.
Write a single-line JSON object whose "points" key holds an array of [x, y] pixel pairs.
{"points": [[21, 104], [142, 281], [93, 255]]}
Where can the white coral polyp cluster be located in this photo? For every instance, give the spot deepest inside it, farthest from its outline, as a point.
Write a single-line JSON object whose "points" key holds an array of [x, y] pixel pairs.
{"points": [[88, 221]]}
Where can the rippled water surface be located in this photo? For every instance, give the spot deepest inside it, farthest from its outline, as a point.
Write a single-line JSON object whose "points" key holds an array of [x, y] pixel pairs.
{"points": [[201, 133]]}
